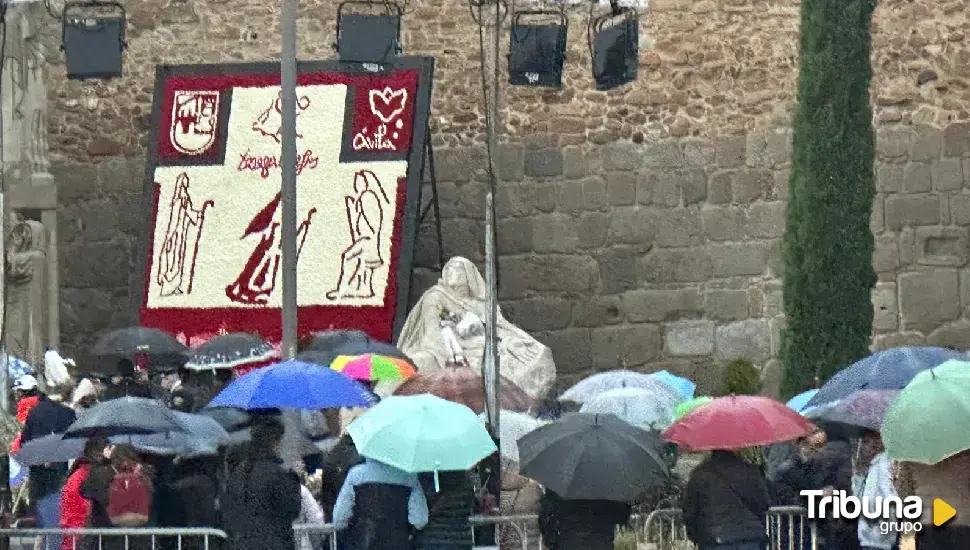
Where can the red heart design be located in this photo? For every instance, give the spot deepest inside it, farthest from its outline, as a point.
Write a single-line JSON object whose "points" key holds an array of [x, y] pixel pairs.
{"points": [[387, 104]]}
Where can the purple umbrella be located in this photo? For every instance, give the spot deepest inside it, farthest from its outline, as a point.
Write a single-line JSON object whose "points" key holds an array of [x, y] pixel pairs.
{"points": [[861, 409]]}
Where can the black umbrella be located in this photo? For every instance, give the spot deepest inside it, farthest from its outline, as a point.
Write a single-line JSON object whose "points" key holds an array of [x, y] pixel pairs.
{"points": [[352, 342], [126, 416], [159, 347], [593, 457], [230, 351], [49, 449], [230, 418]]}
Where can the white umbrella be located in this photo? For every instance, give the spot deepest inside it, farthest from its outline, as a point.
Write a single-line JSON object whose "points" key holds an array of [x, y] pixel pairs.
{"points": [[512, 427], [642, 408], [588, 388]]}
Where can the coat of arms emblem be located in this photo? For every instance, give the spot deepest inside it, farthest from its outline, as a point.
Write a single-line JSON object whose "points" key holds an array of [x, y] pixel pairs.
{"points": [[195, 118]]}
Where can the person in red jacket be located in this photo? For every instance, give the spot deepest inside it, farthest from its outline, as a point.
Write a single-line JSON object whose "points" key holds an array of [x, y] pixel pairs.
{"points": [[26, 391], [75, 509]]}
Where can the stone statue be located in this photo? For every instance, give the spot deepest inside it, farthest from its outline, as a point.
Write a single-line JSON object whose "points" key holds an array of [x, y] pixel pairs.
{"points": [[454, 312], [27, 309]]}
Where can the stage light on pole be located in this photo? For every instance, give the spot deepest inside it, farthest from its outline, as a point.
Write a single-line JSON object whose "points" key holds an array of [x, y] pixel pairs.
{"points": [[537, 49], [369, 38], [93, 39], [615, 43]]}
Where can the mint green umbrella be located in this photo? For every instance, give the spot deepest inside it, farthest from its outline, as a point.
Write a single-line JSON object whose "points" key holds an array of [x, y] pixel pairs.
{"points": [[927, 423], [690, 405], [421, 433]]}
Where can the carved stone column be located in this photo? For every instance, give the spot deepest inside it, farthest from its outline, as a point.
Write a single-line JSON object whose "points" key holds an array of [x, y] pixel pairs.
{"points": [[30, 201]]}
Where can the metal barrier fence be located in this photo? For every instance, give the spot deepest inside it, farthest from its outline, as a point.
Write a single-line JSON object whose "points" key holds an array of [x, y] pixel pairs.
{"points": [[146, 538], [787, 528]]}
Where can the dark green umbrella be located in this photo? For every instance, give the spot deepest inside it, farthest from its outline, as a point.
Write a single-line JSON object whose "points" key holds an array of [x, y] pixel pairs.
{"points": [[593, 457]]}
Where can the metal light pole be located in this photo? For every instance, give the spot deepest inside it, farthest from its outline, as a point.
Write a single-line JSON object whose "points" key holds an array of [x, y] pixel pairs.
{"points": [[288, 9], [491, 366]]}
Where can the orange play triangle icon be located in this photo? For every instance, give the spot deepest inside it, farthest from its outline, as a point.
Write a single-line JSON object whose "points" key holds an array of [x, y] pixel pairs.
{"points": [[942, 512]]}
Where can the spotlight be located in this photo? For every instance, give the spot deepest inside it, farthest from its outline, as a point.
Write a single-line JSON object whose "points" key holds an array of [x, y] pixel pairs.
{"points": [[365, 38], [93, 39], [537, 50], [615, 47]]}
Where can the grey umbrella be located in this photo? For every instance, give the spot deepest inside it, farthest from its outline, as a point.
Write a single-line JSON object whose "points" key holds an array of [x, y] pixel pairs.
{"points": [[49, 449], [126, 416], [593, 457]]}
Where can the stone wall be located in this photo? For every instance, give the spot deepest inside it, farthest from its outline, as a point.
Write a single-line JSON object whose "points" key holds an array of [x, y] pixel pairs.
{"points": [[666, 255], [651, 213]]}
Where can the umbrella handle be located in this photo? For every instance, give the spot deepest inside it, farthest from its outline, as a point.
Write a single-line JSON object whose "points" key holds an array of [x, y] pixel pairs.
{"points": [[437, 484]]}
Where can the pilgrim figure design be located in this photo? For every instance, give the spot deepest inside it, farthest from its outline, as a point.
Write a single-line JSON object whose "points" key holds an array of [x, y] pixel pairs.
{"points": [[365, 218], [180, 249], [270, 122], [257, 280]]}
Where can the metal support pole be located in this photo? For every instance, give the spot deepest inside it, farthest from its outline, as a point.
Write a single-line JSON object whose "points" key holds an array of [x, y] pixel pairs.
{"points": [[491, 365], [288, 9]]}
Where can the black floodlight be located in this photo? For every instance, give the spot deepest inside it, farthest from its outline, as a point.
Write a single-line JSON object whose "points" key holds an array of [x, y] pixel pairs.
{"points": [[367, 38], [93, 39], [615, 48], [537, 48]]}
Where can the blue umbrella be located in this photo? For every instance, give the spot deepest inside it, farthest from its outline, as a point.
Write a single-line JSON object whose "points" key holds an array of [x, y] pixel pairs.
{"points": [[799, 402], [293, 385], [889, 369], [683, 386]]}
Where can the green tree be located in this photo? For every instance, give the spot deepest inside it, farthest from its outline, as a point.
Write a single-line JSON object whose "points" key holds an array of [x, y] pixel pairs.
{"points": [[740, 377], [828, 245]]}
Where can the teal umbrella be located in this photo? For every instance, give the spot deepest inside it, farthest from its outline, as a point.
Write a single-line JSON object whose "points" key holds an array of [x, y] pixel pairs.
{"points": [[422, 433]]}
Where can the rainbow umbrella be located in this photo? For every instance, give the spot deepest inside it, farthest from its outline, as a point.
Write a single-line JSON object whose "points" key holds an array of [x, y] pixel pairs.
{"points": [[373, 368]]}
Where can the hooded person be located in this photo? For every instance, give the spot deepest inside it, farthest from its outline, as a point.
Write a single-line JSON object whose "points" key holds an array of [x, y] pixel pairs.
{"points": [[126, 383]]}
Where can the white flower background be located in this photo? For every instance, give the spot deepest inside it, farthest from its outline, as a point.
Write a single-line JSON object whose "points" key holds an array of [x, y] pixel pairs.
{"points": [[239, 195]]}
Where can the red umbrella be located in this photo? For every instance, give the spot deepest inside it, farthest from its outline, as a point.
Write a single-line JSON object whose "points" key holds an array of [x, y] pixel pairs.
{"points": [[737, 422]]}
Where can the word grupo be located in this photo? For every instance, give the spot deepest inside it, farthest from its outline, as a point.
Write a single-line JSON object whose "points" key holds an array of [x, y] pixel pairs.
{"points": [[895, 515]]}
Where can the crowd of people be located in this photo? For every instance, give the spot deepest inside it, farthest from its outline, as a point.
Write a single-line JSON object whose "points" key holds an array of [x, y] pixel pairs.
{"points": [[256, 499]]}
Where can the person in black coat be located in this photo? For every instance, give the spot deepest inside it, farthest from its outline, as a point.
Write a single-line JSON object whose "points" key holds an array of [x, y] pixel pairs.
{"points": [[449, 508], [341, 458], [262, 498], [126, 383], [725, 503], [580, 524], [45, 418]]}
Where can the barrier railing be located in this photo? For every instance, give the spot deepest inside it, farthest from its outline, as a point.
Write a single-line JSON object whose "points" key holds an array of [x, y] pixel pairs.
{"points": [[513, 531], [144, 538], [318, 536], [789, 528]]}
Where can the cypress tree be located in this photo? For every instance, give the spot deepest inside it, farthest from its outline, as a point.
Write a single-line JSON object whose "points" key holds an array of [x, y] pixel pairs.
{"points": [[827, 249]]}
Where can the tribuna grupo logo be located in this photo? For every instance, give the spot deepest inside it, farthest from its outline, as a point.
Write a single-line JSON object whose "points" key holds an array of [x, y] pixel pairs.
{"points": [[894, 514]]}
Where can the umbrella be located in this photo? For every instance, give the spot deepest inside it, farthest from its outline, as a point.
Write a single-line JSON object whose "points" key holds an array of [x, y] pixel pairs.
{"points": [[615, 380], [293, 385], [373, 367], [464, 385], [889, 369], [128, 343], [17, 367], [49, 449], [593, 457], [421, 433], [352, 342], [512, 426], [683, 386], [737, 422], [230, 351], [927, 423], [690, 406], [799, 402], [229, 418], [202, 436], [863, 409], [126, 416], [642, 408]]}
